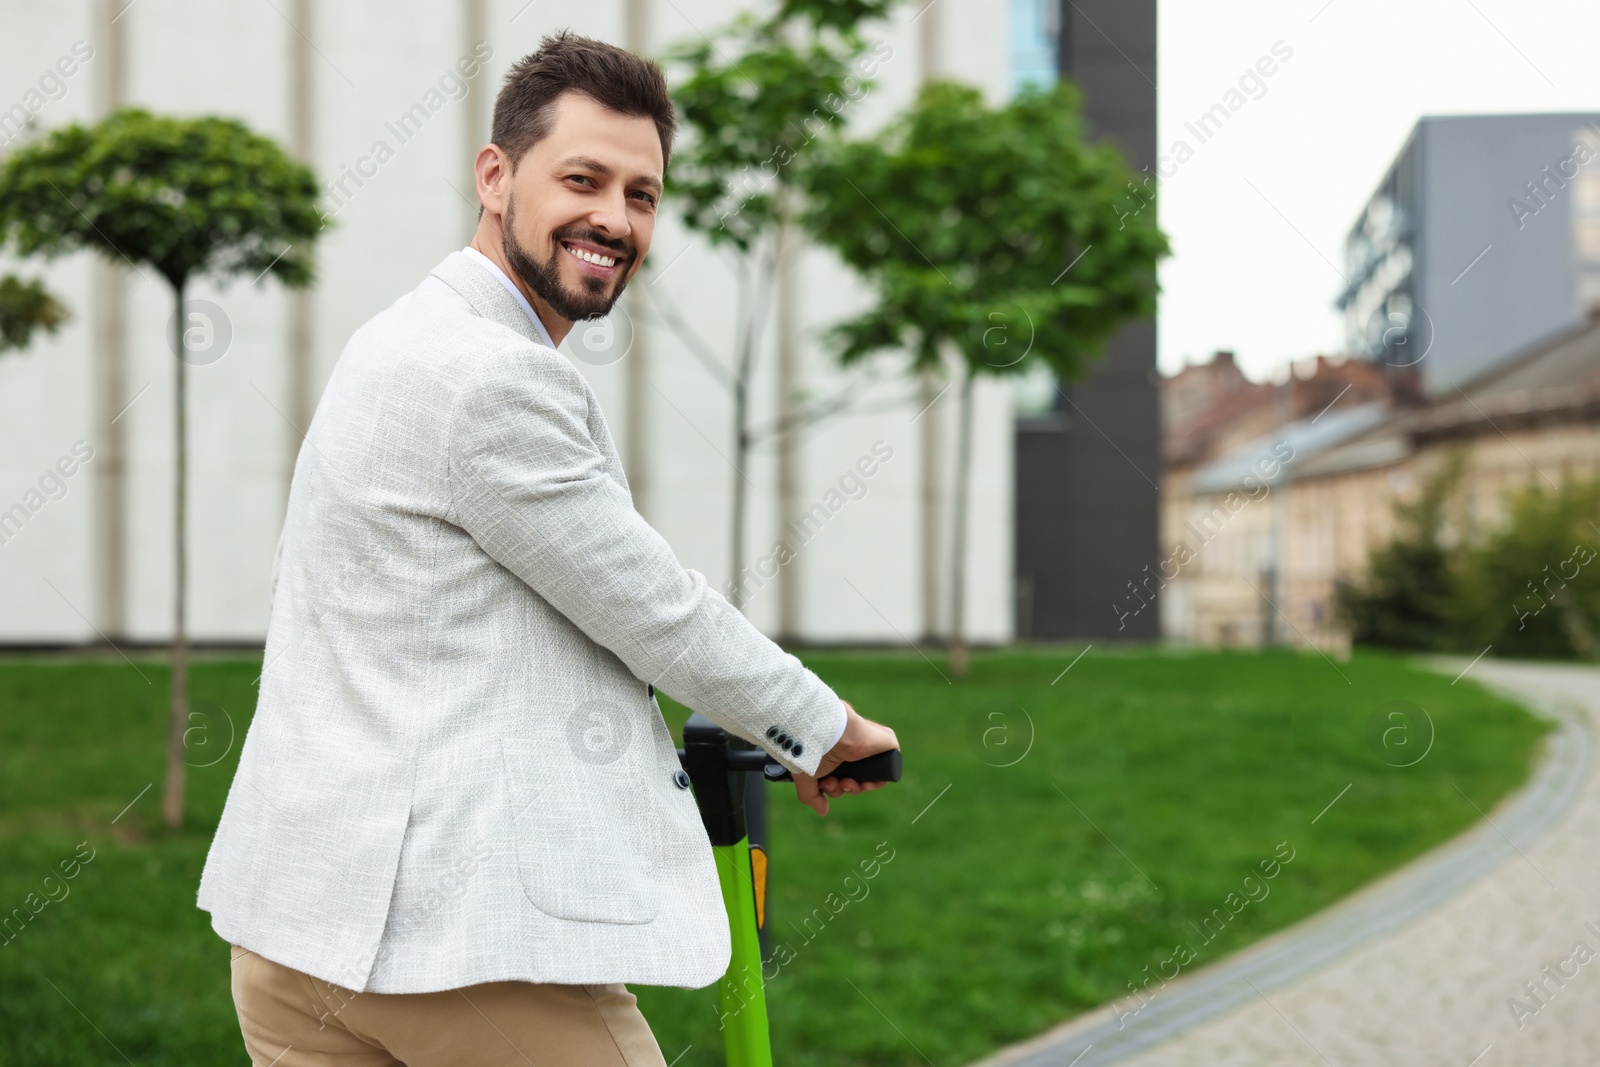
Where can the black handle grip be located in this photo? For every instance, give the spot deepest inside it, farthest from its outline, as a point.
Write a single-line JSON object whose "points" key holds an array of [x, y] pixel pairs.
{"points": [[883, 767]]}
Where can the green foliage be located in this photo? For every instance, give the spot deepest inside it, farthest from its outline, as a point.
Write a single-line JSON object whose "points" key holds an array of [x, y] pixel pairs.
{"points": [[1003, 911], [26, 306], [1532, 588], [1528, 588], [753, 101], [834, 14], [965, 218], [188, 196], [1406, 598]]}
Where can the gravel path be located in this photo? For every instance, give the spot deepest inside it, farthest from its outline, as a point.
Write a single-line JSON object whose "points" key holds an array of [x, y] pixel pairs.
{"points": [[1484, 953]]}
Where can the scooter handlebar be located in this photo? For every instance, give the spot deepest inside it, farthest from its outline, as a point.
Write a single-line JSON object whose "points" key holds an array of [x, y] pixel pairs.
{"points": [[883, 767]]}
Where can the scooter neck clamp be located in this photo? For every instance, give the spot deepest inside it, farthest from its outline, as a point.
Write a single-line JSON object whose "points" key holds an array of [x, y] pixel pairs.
{"points": [[717, 762]]}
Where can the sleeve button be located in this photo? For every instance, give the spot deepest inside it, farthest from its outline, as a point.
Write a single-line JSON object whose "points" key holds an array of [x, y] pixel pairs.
{"points": [[797, 749], [772, 732], [681, 778]]}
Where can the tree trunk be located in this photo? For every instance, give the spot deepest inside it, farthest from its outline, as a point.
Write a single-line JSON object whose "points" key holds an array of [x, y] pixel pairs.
{"points": [[958, 563], [177, 724], [755, 279], [741, 446], [929, 393], [788, 442], [741, 429]]}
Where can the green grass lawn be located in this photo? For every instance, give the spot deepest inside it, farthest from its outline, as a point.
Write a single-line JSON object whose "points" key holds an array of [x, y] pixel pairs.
{"points": [[1050, 840]]}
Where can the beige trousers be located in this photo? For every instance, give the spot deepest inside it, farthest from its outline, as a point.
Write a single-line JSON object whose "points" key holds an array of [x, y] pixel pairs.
{"points": [[290, 1019]]}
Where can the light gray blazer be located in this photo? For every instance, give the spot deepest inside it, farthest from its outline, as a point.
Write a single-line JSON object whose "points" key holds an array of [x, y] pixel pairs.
{"points": [[457, 771]]}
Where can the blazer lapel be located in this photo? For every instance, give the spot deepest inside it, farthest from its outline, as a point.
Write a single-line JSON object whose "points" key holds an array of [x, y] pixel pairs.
{"points": [[485, 293]]}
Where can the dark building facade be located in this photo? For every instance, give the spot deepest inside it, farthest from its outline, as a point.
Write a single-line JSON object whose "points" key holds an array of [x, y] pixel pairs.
{"points": [[1088, 474]]}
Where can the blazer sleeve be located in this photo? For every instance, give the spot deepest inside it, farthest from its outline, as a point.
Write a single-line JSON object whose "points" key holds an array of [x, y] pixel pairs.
{"points": [[531, 487]]}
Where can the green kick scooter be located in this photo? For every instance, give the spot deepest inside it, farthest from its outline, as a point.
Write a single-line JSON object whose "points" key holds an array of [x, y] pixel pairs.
{"points": [[717, 762]]}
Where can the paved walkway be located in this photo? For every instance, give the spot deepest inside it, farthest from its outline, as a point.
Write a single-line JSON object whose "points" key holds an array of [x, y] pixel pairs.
{"points": [[1422, 967]]}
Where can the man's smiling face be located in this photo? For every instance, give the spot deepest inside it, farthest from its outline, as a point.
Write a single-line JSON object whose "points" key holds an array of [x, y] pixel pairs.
{"points": [[582, 207]]}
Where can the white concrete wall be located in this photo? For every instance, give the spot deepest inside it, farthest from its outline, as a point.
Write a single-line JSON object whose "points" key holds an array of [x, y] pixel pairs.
{"points": [[46, 584], [860, 575]]}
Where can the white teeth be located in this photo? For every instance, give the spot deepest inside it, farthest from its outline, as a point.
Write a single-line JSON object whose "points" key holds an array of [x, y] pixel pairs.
{"points": [[590, 257]]}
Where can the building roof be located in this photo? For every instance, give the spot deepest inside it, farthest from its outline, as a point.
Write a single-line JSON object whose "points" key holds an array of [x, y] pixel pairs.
{"points": [[1556, 379], [1209, 409], [1304, 438]]}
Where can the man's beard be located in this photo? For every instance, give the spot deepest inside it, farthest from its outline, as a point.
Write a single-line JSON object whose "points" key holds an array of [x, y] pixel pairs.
{"points": [[594, 301]]}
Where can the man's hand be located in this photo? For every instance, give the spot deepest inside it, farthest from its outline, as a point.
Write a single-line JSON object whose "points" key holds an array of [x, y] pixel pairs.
{"points": [[861, 738]]}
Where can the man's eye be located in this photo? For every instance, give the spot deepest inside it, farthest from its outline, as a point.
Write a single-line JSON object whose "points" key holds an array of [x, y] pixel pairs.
{"points": [[646, 198], [580, 178]]}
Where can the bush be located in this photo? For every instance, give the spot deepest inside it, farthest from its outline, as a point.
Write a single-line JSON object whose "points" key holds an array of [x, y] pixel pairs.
{"points": [[1531, 588], [1526, 589], [1404, 601]]}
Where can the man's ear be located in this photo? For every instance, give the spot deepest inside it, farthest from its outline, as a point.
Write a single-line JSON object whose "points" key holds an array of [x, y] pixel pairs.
{"points": [[492, 169]]}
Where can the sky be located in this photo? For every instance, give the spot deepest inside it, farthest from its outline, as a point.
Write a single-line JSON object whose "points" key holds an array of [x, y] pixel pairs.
{"points": [[1257, 215]]}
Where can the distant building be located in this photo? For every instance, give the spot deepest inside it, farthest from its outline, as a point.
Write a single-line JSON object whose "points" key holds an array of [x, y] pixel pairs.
{"points": [[1230, 449], [1271, 527], [1209, 407], [1482, 238]]}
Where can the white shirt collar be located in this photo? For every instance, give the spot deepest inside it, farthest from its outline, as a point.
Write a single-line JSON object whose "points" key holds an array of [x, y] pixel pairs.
{"points": [[511, 287]]}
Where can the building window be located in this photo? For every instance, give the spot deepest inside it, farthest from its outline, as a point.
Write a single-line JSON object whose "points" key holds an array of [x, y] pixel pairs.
{"points": [[1586, 223], [1035, 30]]}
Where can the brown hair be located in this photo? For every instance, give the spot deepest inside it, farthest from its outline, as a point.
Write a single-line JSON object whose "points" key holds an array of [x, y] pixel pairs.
{"points": [[612, 77]]}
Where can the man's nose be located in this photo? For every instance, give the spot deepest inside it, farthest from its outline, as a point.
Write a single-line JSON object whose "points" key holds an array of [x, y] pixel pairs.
{"points": [[610, 217]]}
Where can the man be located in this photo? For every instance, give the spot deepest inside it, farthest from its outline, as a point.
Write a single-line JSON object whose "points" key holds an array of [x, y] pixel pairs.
{"points": [[458, 827]]}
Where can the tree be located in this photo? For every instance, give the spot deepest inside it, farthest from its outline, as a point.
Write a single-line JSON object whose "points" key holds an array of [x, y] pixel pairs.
{"points": [[26, 306], [1407, 597], [998, 234], [185, 197], [771, 91]]}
